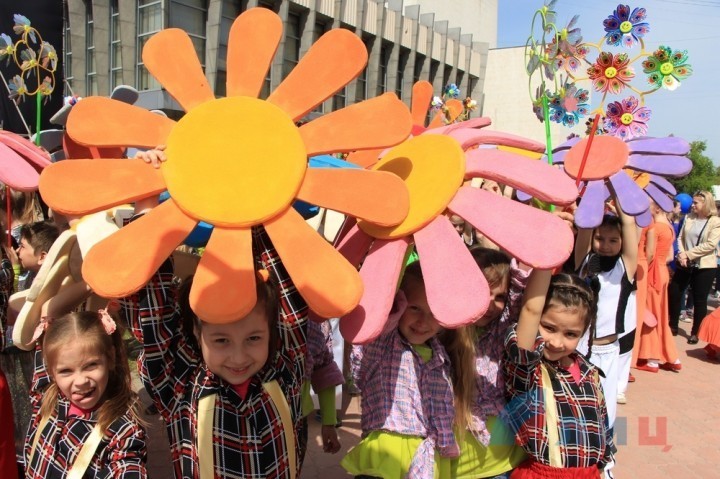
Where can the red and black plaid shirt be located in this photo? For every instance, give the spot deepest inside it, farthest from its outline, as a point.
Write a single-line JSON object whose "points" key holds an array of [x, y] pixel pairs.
{"points": [[121, 453], [248, 435]]}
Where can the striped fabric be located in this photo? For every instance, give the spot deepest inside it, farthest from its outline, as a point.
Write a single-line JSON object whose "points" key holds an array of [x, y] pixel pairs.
{"points": [[489, 350], [402, 394], [248, 434], [585, 438], [320, 367], [121, 453]]}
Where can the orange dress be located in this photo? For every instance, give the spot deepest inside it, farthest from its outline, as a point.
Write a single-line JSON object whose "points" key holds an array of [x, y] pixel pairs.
{"points": [[658, 342], [641, 293], [710, 329]]}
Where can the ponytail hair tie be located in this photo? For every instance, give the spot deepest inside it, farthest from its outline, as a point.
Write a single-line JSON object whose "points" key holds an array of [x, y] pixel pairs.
{"points": [[107, 321], [263, 275]]}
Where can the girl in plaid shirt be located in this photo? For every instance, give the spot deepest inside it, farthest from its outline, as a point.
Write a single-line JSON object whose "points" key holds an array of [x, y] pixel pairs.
{"points": [[84, 421], [556, 404], [407, 395], [223, 372]]}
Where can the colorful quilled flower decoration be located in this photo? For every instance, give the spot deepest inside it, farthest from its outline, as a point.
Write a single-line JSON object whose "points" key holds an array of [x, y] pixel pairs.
{"points": [[626, 27], [20, 162], [613, 163], [433, 165], [626, 119], [39, 65], [236, 163], [569, 105], [666, 68], [611, 73]]}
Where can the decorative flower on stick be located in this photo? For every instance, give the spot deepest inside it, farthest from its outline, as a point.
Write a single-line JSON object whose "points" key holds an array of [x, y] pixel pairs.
{"points": [[236, 163]]}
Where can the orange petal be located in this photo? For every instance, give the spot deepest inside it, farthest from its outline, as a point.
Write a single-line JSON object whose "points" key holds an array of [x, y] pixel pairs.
{"points": [[77, 187], [330, 285], [125, 261], [170, 56], [104, 122], [247, 65], [365, 158], [380, 122], [382, 199], [422, 94], [454, 108], [331, 63], [227, 260]]}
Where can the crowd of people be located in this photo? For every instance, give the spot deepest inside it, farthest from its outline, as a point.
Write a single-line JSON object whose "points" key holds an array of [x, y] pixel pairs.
{"points": [[529, 390]]}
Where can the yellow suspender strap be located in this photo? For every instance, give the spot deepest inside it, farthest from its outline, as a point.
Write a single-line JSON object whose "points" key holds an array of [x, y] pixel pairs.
{"points": [[551, 419], [206, 410], [84, 457], [277, 396]]}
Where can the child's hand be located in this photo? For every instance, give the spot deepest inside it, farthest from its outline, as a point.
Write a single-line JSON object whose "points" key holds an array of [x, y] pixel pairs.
{"points": [[11, 254], [330, 441], [155, 157]]}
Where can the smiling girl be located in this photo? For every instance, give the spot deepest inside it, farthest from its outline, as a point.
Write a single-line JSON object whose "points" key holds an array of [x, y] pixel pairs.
{"points": [[407, 394], [556, 404], [84, 410]]}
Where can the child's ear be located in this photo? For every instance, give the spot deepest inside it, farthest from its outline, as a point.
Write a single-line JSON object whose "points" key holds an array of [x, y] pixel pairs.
{"points": [[41, 257]]}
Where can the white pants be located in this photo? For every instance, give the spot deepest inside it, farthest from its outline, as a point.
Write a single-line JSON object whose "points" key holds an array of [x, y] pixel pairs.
{"points": [[606, 357], [624, 361]]}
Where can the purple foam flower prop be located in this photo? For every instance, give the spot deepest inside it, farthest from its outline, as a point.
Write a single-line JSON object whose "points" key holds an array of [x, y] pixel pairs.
{"points": [[625, 27], [626, 119]]}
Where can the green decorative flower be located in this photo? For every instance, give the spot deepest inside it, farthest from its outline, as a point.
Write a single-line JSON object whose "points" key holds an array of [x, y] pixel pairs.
{"points": [[665, 68]]}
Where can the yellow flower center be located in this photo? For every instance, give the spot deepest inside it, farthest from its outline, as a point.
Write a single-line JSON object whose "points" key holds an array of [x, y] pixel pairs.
{"points": [[626, 118], [625, 27], [234, 162], [666, 68], [611, 72], [433, 167]]}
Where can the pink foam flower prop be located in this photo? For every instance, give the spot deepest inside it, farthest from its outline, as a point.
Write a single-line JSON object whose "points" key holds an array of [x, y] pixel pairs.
{"points": [[20, 162]]}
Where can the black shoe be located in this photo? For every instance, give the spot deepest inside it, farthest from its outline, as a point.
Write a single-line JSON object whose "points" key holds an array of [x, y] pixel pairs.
{"points": [[674, 331], [693, 339]]}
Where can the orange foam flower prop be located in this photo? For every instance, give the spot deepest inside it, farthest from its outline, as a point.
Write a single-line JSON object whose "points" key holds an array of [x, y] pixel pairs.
{"points": [[235, 163]]}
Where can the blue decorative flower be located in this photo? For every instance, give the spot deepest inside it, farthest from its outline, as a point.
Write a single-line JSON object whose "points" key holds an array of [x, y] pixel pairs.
{"points": [[623, 26], [568, 105]]}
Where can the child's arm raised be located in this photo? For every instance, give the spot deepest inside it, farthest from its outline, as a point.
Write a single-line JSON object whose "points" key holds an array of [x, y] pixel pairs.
{"points": [[629, 241], [532, 308]]}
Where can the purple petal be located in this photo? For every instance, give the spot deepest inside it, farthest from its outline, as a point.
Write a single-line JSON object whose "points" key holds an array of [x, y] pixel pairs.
{"points": [[522, 196], [671, 145], [592, 206], [631, 198], [644, 219], [663, 184], [659, 197], [667, 165]]}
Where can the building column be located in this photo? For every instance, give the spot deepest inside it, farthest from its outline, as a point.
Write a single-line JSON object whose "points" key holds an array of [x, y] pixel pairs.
{"points": [[128, 41], [212, 41]]}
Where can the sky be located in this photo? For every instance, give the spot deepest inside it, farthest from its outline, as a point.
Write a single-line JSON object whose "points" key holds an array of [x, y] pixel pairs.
{"points": [[692, 25]]}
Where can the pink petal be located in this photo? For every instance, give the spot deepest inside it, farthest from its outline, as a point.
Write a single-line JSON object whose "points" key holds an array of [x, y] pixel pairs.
{"points": [[472, 137], [531, 176], [535, 237], [380, 273], [457, 291], [16, 172], [354, 245]]}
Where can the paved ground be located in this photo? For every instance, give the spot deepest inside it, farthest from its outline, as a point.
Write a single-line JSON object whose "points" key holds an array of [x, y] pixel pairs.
{"points": [[672, 426]]}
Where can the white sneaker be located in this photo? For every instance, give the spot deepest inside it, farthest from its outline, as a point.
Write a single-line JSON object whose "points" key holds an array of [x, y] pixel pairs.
{"points": [[684, 318], [621, 399]]}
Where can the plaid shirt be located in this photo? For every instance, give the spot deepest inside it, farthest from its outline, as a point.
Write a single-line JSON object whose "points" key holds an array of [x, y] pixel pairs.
{"points": [[120, 454], [320, 367], [402, 394], [585, 438], [489, 349], [248, 435]]}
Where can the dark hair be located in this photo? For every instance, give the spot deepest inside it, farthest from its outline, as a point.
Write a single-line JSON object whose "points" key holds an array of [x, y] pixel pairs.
{"points": [[267, 294], [86, 326], [412, 272], [611, 221], [40, 235], [495, 264], [569, 291]]}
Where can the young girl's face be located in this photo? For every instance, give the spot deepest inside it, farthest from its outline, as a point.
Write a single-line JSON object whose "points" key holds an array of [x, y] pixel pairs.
{"points": [[498, 298], [417, 324], [236, 351], [561, 328], [81, 373], [607, 241]]}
